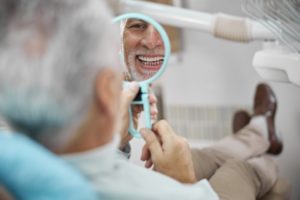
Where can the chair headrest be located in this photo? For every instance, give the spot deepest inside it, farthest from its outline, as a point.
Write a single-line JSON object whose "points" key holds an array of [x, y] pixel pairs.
{"points": [[29, 171]]}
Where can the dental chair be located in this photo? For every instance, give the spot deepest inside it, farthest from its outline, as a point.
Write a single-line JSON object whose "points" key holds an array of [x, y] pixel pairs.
{"points": [[28, 171]]}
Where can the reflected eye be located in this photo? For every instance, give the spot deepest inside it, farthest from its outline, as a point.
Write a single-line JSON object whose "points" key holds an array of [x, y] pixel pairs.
{"points": [[137, 26]]}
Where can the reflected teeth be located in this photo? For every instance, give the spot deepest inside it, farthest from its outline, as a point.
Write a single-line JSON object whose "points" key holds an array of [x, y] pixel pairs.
{"points": [[151, 59]]}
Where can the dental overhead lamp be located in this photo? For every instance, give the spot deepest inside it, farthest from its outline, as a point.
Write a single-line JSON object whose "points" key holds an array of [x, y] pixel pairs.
{"points": [[274, 22], [280, 60]]}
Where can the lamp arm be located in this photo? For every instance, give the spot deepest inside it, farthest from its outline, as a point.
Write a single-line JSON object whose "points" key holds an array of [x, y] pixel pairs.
{"points": [[220, 25]]}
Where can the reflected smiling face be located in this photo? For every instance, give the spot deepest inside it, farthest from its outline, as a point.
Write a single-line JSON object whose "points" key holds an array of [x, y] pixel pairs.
{"points": [[143, 49]]}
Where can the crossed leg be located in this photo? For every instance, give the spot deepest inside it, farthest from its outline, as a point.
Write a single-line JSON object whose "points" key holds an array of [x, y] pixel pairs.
{"points": [[236, 166], [247, 143], [247, 180]]}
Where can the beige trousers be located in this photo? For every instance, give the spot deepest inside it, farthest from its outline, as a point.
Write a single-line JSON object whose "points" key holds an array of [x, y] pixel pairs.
{"points": [[236, 166]]}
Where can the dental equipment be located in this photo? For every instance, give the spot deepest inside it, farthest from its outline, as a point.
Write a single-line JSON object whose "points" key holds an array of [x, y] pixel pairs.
{"points": [[273, 21]]}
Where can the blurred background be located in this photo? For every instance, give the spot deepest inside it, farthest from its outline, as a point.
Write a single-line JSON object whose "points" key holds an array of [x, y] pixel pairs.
{"points": [[207, 79]]}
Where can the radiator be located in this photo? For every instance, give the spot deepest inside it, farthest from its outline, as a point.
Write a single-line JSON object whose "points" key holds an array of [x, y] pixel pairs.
{"points": [[202, 122]]}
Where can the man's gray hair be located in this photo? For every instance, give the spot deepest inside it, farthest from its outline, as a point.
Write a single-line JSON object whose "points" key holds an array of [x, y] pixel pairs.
{"points": [[47, 86]]}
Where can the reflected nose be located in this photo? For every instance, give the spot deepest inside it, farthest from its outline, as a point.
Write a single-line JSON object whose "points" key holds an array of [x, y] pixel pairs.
{"points": [[152, 38]]}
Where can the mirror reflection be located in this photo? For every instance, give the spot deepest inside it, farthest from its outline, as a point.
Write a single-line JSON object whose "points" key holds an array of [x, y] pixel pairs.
{"points": [[143, 49]]}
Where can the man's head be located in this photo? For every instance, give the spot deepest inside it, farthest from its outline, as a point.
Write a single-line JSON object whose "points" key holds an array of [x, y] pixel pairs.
{"points": [[143, 49], [55, 75]]}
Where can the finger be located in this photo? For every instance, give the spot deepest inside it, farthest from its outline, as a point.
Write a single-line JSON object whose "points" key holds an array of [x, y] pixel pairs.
{"points": [[128, 138], [154, 168], [149, 163], [153, 107], [125, 140], [146, 155], [153, 112], [153, 119], [153, 104], [152, 98], [164, 130], [129, 93], [152, 143]]}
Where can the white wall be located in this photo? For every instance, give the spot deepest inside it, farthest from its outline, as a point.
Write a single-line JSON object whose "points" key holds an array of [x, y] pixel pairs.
{"points": [[216, 72]]}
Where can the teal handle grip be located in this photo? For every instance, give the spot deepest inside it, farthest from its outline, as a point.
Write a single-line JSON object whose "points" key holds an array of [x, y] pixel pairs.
{"points": [[146, 106]]}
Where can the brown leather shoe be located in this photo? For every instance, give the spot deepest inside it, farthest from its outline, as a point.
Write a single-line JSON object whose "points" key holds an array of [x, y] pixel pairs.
{"points": [[240, 119], [265, 103]]}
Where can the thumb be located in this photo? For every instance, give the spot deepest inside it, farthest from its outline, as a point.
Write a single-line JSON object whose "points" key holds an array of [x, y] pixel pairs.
{"points": [[152, 143], [145, 153], [129, 93]]}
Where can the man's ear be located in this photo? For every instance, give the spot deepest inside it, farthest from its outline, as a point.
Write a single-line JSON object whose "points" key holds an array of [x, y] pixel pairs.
{"points": [[108, 89]]}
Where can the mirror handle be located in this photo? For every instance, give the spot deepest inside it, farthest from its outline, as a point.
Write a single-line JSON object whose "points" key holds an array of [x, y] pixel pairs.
{"points": [[146, 107]]}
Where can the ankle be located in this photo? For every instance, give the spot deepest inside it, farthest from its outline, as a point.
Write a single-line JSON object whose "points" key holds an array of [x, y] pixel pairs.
{"points": [[260, 123]]}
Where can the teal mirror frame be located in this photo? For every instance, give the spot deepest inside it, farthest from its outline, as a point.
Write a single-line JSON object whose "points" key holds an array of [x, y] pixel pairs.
{"points": [[144, 85]]}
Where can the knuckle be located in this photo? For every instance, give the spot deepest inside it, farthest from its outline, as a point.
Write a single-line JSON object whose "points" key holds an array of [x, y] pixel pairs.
{"points": [[177, 144], [181, 142], [161, 123], [150, 139]]}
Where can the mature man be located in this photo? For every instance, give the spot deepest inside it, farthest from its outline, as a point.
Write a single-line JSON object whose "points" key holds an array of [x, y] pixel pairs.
{"points": [[143, 49], [62, 92]]}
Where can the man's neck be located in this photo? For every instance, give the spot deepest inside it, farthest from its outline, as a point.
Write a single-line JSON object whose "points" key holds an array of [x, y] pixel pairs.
{"points": [[96, 131]]}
